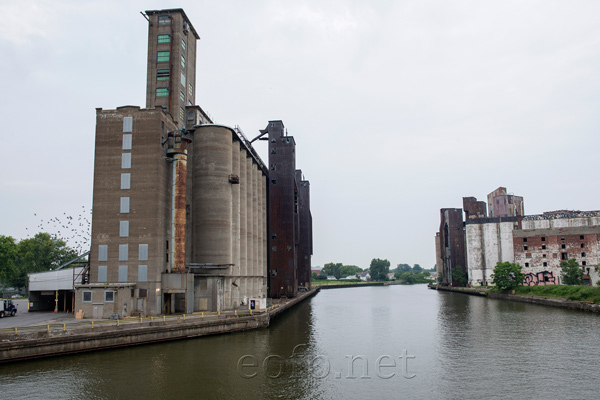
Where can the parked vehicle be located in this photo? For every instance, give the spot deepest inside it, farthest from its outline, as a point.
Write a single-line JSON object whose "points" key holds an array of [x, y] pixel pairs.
{"points": [[8, 309]]}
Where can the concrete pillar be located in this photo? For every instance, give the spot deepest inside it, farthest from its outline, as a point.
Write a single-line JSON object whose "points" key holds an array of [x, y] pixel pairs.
{"points": [[235, 207], [212, 196], [259, 232]]}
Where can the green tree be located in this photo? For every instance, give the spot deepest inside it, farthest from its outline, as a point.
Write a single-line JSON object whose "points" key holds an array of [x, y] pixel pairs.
{"points": [[334, 269], [8, 259], [403, 268], [40, 253], [321, 277], [459, 276], [347, 270], [314, 276], [417, 268], [379, 269], [507, 275], [571, 273]]}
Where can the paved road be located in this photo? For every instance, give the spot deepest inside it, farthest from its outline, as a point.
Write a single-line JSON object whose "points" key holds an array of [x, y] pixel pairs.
{"points": [[25, 318]]}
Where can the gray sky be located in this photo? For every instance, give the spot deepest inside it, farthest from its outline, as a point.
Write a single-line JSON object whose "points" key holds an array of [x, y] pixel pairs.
{"points": [[399, 108]]}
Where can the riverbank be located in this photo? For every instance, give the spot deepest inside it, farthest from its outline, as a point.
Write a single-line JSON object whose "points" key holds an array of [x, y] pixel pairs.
{"points": [[28, 343], [545, 301]]}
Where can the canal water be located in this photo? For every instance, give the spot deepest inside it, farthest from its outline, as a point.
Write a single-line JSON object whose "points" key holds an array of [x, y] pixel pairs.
{"points": [[355, 343]]}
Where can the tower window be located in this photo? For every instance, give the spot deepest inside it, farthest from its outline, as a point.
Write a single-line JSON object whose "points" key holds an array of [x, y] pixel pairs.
{"points": [[183, 45], [164, 38], [162, 92], [163, 56], [162, 74], [190, 89], [182, 96], [164, 20], [183, 79], [181, 114], [182, 61]]}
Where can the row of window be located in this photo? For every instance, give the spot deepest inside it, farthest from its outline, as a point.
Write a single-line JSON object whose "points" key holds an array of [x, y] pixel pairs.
{"points": [[123, 273], [545, 264], [563, 256], [109, 296], [581, 237], [123, 252], [562, 246]]}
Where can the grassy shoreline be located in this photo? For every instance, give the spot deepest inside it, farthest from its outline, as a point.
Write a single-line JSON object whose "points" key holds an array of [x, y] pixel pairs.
{"points": [[588, 294]]}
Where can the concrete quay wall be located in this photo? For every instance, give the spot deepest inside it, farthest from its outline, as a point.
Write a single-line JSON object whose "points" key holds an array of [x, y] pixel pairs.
{"points": [[544, 301], [37, 344]]}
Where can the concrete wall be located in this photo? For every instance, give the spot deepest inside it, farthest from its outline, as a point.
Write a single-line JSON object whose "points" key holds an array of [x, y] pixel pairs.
{"points": [[488, 244]]}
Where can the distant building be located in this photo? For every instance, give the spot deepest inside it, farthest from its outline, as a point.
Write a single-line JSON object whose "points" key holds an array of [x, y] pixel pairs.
{"points": [[503, 204], [453, 251]]}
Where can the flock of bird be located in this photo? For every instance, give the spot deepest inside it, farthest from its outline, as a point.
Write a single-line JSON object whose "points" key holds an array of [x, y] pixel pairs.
{"points": [[75, 231]]}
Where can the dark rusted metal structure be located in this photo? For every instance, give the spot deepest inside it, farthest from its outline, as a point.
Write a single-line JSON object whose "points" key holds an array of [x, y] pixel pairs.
{"points": [[304, 231]]}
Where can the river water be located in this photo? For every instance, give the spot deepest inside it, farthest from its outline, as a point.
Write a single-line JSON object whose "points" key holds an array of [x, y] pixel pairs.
{"points": [[372, 342]]}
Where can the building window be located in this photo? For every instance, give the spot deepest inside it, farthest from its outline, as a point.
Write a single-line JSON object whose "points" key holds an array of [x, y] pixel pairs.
{"points": [[123, 228], [163, 75], [563, 246], [86, 296], [125, 181], [127, 141], [583, 263], [162, 92], [525, 247], [545, 264], [583, 245], [102, 252], [122, 273], [126, 160], [142, 273], [543, 239], [128, 124], [124, 205], [143, 252], [183, 44], [582, 254], [543, 256], [181, 114], [190, 89], [564, 256], [527, 255], [163, 56], [526, 265], [543, 247], [109, 296], [182, 96], [123, 252], [164, 38], [182, 61], [562, 238], [164, 20], [102, 273], [524, 240], [183, 79], [581, 237]]}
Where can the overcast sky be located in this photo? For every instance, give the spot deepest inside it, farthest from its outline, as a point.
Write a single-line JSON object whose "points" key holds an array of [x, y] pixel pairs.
{"points": [[398, 108]]}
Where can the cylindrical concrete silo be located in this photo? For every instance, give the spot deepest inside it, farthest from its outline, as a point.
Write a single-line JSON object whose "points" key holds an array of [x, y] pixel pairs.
{"points": [[249, 226], [235, 209], [243, 225], [264, 271], [212, 196]]}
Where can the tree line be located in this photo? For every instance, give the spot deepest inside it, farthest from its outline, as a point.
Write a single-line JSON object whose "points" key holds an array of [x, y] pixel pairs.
{"points": [[379, 269], [40, 253]]}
